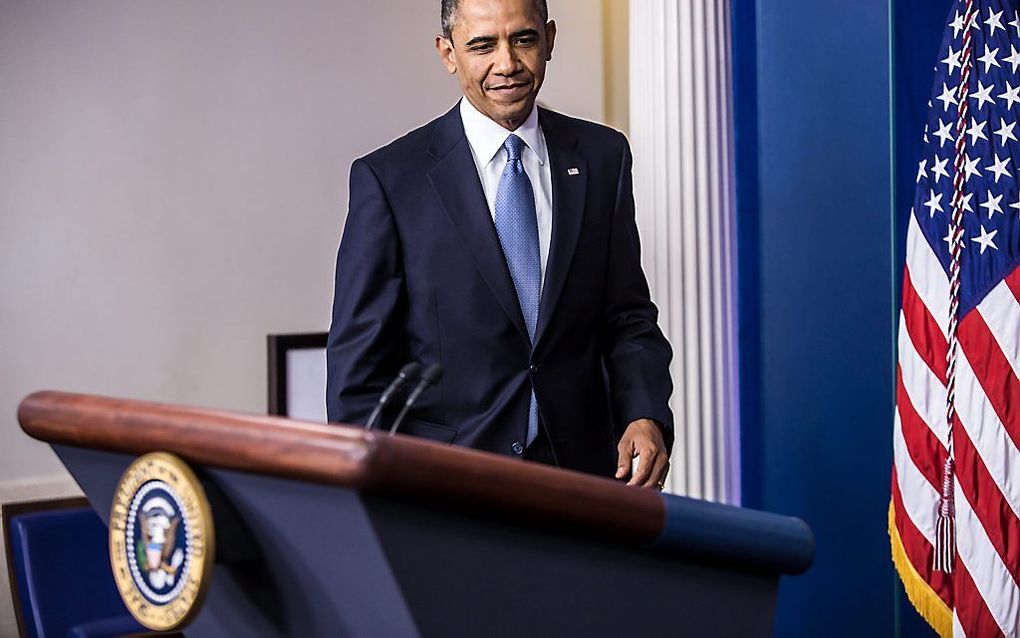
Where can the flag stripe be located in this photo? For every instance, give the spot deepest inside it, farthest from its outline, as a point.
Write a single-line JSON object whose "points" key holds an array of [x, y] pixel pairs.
{"points": [[924, 331], [918, 548], [971, 611], [1013, 283], [990, 506], [924, 448], [920, 498], [926, 392], [930, 281], [989, 438], [976, 554], [999, 386], [1001, 312]]}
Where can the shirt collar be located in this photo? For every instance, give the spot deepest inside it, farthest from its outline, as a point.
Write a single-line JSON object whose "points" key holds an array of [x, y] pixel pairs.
{"points": [[486, 137]]}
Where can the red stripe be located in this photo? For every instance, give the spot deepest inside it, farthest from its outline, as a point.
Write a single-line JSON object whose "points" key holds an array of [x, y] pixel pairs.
{"points": [[918, 549], [993, 372], [991, 507], [924, 447], [1013, 283], [923, 330], [975, 618]]}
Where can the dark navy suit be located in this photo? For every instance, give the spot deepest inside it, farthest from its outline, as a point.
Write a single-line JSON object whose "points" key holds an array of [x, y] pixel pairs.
{"points": [[421, 277]]}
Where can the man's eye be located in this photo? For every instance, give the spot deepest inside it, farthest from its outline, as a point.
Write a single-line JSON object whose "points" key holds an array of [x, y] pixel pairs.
{"points": [[481, 48], [525, 41]]}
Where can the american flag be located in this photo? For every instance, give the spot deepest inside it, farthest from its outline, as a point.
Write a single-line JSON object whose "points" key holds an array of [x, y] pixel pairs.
{"points": [[958, 373]]}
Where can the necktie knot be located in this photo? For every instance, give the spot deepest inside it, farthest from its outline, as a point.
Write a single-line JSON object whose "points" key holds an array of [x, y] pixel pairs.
{"points": [[513, 145]]}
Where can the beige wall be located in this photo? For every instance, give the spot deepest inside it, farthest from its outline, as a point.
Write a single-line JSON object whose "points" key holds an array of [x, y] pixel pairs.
{"points": [[173, 185]]}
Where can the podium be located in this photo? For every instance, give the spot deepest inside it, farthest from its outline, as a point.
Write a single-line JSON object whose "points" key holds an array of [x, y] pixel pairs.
{"points": [[331, 530]]}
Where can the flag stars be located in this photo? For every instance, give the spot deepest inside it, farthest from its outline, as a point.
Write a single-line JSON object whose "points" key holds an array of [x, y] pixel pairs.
{"points": [[1015, 22], [971, 166], [989, 58], [986, 239], [965, 203], [1016, 205], [982, 94], [952, 60], [957, 24], [994, 22], [976, 131], [999, 167], [1014, 58], [938, 168], [948, 97], [933, 203], [1005, 132], [945, 132], [991, 205], [1011, 95], [921, 172]]}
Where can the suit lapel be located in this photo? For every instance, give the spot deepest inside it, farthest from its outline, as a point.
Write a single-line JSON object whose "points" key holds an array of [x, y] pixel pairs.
{"points": [[568, 211], [454, 178]]}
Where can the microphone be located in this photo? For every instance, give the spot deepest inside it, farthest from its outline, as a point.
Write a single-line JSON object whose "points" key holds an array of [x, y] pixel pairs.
{"points": [[407, 374], [432, 374]]}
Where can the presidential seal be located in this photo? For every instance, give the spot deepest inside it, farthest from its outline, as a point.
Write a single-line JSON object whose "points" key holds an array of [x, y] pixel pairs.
{"points": [[161, 541]]}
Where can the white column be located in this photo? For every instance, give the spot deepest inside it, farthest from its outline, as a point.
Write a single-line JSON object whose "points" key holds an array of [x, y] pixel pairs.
{"points": [[681, 134]]}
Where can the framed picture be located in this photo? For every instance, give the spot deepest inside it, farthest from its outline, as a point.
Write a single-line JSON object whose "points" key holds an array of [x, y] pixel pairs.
{"points": [[297, 375]]}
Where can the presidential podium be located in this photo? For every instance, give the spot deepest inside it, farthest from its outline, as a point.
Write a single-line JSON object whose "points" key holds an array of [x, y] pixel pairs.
{"points": [[327, 530]]}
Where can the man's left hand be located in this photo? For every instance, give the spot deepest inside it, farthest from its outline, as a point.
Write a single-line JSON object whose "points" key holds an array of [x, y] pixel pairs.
{"points": [[643, 439]]}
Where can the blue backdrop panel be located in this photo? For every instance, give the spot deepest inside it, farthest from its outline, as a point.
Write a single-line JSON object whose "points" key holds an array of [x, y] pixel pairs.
{"points": [[822, 296]]}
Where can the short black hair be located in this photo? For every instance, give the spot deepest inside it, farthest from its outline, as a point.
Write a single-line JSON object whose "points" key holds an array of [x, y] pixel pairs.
{"points": [[448, 15]]}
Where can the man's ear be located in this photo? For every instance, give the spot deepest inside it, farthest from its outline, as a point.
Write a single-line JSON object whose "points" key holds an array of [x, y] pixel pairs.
{"points": [[550, 38], [444, 46]]}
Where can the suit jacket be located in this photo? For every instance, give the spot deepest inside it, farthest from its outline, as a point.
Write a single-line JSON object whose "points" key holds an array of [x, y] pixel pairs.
{"points": [[421, 276]]}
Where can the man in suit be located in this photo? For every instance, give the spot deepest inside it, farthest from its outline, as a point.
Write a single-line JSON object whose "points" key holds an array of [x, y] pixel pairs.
{"points": [[499, 240]]}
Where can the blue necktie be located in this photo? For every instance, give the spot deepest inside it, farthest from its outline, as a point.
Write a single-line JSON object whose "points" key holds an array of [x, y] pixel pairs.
{"points": [[517, 227]]}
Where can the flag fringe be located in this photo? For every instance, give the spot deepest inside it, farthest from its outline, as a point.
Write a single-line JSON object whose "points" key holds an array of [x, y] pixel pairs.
{"points": [[924, 599]]}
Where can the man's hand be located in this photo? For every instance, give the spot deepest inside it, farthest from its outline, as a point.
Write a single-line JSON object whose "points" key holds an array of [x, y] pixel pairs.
{"points": [[643, 439]]}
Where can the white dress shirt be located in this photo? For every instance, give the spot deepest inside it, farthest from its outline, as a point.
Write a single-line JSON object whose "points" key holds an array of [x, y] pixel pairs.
{"points": [[486, 139]]}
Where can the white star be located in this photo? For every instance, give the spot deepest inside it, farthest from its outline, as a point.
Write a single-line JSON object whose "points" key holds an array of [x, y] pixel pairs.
{"points": [[992, 204], [1006, 132], [1016, 204], [976, 130], [952, 60], [938, 168], [965, 203], [989, 58], [949, 237], [971, 166], [994, 22], [982, 94], [920, 171], [957, 24], [1014, 58], [999, 167], [1011, 95], [944, 132], [933, 203], [1015, 22], [986, 239], [948, 97]]}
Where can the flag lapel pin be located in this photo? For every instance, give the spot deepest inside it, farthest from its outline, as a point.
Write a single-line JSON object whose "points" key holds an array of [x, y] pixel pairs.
{"points": [[573, 171]]}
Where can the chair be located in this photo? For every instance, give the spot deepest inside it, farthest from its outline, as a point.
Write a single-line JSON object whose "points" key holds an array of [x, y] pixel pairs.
{"points": [[59, 567]]}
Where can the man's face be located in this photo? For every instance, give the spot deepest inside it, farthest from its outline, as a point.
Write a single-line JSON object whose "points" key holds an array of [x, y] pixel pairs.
{"points": [[498, 50]]}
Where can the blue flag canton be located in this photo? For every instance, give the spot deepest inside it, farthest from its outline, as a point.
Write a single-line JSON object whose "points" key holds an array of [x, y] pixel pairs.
{"points": [[991, 219]]}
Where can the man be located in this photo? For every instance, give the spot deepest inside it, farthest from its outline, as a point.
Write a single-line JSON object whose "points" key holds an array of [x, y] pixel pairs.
{"points": [[499, 241]]}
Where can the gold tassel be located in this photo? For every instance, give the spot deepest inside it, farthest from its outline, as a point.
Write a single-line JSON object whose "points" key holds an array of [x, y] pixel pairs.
{"points": [[924, 599]]}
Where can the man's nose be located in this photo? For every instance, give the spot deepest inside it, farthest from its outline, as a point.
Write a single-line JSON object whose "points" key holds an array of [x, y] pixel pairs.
{"points": [[507, 62]]}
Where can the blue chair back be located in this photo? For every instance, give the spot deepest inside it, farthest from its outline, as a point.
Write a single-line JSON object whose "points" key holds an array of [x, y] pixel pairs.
{"points": [[60, 571]]}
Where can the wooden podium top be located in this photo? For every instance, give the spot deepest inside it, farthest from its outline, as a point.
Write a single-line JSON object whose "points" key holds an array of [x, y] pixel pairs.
{"points": [[411, 468]]}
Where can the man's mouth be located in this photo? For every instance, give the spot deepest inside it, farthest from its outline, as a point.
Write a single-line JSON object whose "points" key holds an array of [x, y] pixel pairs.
{"points": [[508, 88]]}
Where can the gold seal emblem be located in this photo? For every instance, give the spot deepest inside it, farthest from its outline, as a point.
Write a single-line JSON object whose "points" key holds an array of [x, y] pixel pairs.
{"points": [[161, 541]]}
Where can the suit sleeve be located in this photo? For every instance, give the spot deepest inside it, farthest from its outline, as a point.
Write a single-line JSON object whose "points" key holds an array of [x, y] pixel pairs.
{"points": [[637, 354], [369, 304]]}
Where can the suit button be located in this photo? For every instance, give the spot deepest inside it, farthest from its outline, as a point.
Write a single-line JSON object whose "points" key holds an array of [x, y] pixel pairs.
{"points": [[533, 367], [518, 448]]}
